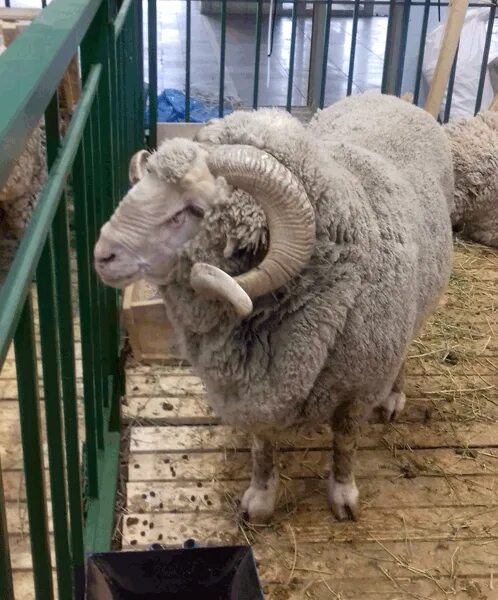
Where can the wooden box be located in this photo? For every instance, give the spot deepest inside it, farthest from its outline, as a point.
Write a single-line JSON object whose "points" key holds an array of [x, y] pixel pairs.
{"points": [[149, 331]]}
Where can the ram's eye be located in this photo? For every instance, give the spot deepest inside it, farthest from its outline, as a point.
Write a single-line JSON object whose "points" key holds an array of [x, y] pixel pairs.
{"points": [[178, 219], [196, 211]]}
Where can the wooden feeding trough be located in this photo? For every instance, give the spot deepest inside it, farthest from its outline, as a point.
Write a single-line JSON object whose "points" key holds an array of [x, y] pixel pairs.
{"points": [[150, 333]]}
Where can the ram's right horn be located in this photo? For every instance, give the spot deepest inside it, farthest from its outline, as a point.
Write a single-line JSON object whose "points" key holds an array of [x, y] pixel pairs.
{"points": [[291, 223]]}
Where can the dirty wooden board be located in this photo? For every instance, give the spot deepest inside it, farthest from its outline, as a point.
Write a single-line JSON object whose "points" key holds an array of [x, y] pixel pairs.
{"points": [[429, 510]]}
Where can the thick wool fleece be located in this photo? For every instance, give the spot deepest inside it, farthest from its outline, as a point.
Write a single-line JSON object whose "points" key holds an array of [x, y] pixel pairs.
{"points": [[380, 181], [474, 146], [19, 195]]}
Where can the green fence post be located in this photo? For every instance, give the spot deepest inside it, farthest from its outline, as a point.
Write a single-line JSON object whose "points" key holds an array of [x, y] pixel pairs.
{"points": [[50, 353], [29, 412], [152, 28]]}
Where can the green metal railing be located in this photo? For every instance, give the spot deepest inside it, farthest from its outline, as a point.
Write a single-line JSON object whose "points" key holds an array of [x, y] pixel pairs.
{"points": [[105, 129]]}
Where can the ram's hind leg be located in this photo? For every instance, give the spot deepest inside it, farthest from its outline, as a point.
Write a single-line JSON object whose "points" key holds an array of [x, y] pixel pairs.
{"points": [[342, 491], [258, 502], [395, 402]]}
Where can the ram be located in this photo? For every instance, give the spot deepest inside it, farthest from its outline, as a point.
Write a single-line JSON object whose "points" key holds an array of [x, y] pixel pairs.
{"points": [[296, 263]]}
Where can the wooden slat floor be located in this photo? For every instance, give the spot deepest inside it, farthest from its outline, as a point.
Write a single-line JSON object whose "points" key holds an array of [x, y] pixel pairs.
{"points": [[429, 505]]}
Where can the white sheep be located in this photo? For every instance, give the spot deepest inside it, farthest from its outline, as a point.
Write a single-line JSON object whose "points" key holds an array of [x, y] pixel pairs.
{"points": [[296, 266], [474, 147]]}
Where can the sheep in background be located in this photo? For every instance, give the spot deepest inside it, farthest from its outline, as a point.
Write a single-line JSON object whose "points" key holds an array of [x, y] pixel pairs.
{"points": [[296, 266], [19, 195], [474, 146]]}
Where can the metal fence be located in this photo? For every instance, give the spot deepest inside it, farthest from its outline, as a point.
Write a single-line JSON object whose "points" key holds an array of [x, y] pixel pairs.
{"points": [[313, 24], [105, 129]]}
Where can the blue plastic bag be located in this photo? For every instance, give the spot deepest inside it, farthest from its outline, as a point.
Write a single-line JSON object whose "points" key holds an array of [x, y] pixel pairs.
{"points": [[171, 108]]}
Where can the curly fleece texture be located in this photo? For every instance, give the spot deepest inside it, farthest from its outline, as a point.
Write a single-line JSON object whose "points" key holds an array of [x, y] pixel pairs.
{"points": [[474, 146], [378, 172]]}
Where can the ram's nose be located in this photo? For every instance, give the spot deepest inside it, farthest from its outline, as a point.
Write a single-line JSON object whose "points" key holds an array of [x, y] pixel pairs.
{"points": [[103, 253]]}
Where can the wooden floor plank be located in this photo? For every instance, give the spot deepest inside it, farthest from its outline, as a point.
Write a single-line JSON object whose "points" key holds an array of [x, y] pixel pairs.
{"points": [[311, 494], [219, 438], [235, 466], [192, 410], [384, 524]]}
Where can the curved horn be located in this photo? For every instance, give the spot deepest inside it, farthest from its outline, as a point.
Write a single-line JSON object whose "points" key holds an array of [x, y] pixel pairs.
{"points": [[291, 223], [136, 169]]}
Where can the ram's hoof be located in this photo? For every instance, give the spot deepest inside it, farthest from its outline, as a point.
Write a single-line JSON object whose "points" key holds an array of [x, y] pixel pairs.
{"points": [[343, 499], [258, 505], [393, 406]]}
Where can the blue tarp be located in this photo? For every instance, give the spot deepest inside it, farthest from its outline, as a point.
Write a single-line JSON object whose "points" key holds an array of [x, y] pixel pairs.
{"points": [[171, 108]]}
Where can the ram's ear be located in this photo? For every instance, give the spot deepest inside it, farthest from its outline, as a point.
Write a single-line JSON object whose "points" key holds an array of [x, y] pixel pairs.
{"points": [[137, 168]]}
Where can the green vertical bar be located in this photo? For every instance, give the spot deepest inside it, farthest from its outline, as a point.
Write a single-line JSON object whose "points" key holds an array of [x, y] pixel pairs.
{"points": [[96, 322], [292, 56], [91, 53], [49, 353], [188, 34], [221, 100], [403, 42], [119, 107], [92, 186], [29, 413], [421, 51], [6, 585], [152, 23], [129, 78], [326, 40], [451, 83], [115, 116], [485, 57], [122, 92], [45, 277], [86, 312], [354, 35], [69, 397], [102, 120], [257, 57], [140, 75], [388, 50], [107, 164]]}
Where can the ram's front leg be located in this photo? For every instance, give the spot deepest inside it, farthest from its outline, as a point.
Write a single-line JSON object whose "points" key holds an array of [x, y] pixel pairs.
{"points": [[342, 491], [258, 502]]}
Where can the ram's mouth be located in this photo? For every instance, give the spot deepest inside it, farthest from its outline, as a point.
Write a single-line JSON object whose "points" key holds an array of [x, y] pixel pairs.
{"points": [[119, 282]]}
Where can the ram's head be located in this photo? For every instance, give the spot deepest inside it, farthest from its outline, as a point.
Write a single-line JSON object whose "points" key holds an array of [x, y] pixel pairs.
{"points": [[172, 189]]}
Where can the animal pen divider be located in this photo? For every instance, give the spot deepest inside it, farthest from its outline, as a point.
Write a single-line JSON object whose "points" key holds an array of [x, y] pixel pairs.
{"points": [[105, 129], [402, 30]]}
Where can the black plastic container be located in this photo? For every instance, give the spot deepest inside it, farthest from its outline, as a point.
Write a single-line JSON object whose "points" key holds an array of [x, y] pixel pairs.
{"points": [[188, 573]]}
